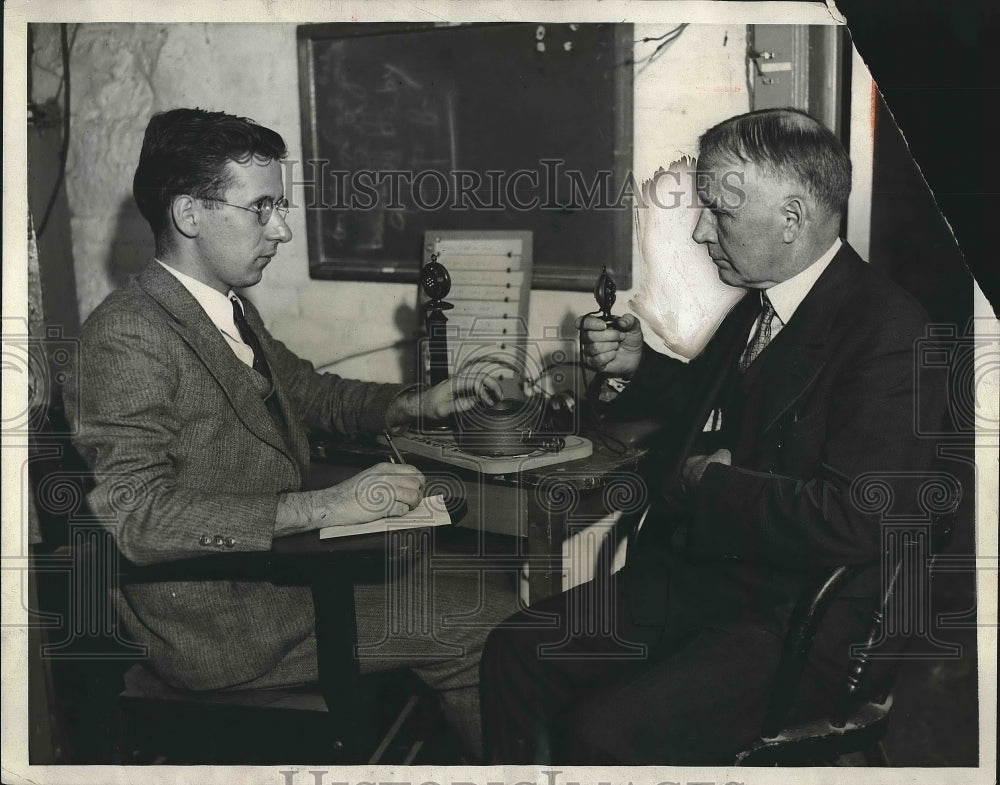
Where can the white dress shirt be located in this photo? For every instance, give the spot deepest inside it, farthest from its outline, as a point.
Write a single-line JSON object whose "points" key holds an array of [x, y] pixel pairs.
{"points": [[788, 295], [218, 308], [785, 297]]}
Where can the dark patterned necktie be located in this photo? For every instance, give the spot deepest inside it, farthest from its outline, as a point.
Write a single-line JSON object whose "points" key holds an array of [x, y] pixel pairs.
{"points": [[249, 338], [761, 336]]}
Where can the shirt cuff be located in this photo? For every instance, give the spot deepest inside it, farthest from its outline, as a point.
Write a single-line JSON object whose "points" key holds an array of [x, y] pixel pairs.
{"points": [[402, 428]]}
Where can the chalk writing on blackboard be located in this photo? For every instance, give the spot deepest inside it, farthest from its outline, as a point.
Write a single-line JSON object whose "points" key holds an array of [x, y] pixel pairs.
{"points": [[421, 127], [378, 117]]}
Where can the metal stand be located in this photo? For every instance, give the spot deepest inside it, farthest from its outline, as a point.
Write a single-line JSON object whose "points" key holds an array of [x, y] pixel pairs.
{"points": [[436, 283]]}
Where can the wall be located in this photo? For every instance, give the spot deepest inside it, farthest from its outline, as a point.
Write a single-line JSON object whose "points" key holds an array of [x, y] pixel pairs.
{"points": [[122, 73]]}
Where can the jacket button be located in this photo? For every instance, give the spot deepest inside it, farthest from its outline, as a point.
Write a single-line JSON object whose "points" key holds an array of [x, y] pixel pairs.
{"points": [[217, 540], [230, 542], [205, 540]]}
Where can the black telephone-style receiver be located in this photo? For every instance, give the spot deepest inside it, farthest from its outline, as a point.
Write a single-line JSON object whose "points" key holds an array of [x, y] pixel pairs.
{"points": [[605, 292], [436, 283]]}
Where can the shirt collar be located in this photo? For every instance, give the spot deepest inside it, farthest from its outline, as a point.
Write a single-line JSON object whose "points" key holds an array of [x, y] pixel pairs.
{"points": [[788, 295], [214, 303]]}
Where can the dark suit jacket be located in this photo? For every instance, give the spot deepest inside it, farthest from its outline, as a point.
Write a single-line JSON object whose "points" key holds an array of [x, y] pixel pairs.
{"points": [[185, 452], [830, 400]]}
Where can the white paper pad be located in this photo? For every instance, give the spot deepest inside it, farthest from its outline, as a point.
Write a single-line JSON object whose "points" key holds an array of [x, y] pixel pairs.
{"points": [[430, 512]]}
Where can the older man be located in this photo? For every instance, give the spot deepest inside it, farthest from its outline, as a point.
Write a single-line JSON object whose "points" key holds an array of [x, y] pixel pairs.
{"points": [[807, 385], [193, 419]]}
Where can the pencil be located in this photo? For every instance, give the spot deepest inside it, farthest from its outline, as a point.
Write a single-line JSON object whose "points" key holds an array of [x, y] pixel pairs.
{"points": [[392, 446]]}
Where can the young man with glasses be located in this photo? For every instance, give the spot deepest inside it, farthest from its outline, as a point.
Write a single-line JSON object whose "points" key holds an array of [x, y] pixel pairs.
{"points": [[186, 400]]}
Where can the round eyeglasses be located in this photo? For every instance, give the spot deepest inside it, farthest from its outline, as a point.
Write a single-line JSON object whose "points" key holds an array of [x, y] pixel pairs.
{"points": [[264, 208]]}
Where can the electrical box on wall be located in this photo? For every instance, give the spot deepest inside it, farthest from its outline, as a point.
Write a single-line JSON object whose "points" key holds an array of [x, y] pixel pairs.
{"points": [[778, 61], [800, 66]]}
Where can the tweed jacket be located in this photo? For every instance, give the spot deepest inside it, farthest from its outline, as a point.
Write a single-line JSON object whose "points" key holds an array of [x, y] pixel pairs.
{"points": [[188, 461], [828, 402]]}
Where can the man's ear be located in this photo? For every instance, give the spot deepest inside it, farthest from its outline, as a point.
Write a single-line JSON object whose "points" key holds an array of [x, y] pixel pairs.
{"points": [[795, 213], [186, 215]]}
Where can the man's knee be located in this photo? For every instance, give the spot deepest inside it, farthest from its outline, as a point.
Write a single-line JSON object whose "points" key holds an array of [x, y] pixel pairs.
{"points": [[510, 647]]}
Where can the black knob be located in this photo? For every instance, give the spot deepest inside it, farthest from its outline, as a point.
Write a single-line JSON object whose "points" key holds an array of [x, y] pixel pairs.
{"points": [[605, 292], [435, 280]]}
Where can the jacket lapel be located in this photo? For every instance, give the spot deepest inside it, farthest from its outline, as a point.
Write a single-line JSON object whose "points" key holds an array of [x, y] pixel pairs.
{"points": [[789, 366], [296, 437], [190, 321], [719, 358]]}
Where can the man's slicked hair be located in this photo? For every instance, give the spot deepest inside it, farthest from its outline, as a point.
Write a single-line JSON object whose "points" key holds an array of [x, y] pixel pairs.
{"points": [[185, 151], [784, 142]]}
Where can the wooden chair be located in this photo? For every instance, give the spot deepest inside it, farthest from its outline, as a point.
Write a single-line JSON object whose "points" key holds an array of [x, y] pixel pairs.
{"points": [[159, 724], [99, 703], [381, 718], [852, 730]]}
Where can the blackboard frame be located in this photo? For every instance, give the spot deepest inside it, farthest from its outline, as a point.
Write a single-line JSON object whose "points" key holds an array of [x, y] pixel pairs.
{"points": [[564, 274]]}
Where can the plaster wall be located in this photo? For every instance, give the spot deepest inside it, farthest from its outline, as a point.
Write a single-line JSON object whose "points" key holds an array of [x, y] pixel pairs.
{"points": [[122, 73]]}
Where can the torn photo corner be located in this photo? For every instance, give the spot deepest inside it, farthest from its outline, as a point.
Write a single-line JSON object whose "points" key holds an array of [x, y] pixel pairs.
{"points": [[679, 295]]}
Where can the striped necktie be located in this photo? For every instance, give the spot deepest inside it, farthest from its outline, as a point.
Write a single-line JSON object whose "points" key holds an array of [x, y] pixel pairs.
{"points": [[761, 336], [249, 338]]}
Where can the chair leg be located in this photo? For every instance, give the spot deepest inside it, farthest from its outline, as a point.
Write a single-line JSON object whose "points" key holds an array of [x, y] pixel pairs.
{"points": [[875, 755]]}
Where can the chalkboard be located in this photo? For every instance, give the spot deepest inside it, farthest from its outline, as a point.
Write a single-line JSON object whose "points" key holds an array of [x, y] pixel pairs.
{"points": [[414, 127]]}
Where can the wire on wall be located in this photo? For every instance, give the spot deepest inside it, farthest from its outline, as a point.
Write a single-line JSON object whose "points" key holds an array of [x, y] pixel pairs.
{"points": [[400, 344], [665, 41]]}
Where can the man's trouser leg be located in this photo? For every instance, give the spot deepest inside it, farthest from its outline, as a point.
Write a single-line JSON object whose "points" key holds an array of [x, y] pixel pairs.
{"points": [[540, 661]]}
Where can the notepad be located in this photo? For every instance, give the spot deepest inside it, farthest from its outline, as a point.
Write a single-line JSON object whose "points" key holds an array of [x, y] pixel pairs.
{"points": [[430, 512]]}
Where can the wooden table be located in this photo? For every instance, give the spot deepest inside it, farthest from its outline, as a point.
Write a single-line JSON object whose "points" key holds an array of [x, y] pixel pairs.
{"points": [[512, 519]]}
